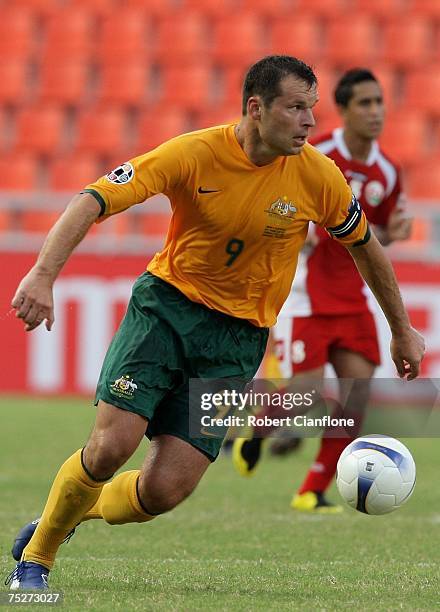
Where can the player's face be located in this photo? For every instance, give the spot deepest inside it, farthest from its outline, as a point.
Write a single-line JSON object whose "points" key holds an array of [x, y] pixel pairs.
{"points": [[364, 114], [285, 124]]}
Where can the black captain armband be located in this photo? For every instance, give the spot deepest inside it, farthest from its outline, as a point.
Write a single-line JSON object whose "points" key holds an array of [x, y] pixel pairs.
{"points": [[365, 239], [350, 223], [98, 197]]}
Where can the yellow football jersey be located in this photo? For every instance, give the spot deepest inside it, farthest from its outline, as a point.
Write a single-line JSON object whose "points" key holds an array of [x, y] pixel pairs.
{"points": [[236, 228]]}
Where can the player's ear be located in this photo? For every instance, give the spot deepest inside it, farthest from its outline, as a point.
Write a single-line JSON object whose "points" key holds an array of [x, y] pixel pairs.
{"points": [[254, 108]]}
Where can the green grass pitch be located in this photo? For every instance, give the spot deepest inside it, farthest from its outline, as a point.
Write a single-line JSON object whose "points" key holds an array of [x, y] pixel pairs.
{"points": [[234, 545]]}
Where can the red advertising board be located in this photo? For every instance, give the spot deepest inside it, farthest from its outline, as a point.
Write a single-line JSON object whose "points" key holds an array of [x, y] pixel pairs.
{"points": [[91, 296]]}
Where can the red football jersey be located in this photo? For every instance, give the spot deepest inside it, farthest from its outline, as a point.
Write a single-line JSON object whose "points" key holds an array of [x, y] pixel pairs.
{"points": [[327, 281]]}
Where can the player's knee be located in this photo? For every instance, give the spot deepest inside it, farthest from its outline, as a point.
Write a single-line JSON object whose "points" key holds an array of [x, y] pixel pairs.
{"points": [[158, 496], [103, 458]]}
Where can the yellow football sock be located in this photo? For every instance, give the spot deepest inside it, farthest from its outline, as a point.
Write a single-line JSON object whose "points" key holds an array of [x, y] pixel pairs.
{"points": [[119, 503], [73, 493]]}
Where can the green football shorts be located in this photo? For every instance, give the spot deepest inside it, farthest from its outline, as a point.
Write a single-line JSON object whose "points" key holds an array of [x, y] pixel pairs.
{"points": [[164, 340]]}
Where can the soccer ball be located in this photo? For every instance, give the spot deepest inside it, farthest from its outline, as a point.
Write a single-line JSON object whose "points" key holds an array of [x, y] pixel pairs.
{"points": [[376, 474]]}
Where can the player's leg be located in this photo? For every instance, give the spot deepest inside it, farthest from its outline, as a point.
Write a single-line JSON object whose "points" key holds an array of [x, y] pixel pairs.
{"points": [[76, 488], [171, 471], [354, 367]]}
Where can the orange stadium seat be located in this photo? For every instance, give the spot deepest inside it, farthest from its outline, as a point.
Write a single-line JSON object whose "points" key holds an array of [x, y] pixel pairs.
{"points": [[232, 83], [155, 8], [407, 42], [351, 41], [240, 40], [125, 36], [74, 172], [17, 39], [212, 8], [388, 79], [404, 136], [38, 221], [273, 9], [423, 179], [327, 79], [14, 79], [189, 86], [381, 9], [329, 8], [19, 172], [101, 131], [429, 8], [422, 90], [64, 82], [40, 8], [299, 36], [159, 124], [99, 8], [69, 34], [40, 130], [181, 38], [127, 87]]}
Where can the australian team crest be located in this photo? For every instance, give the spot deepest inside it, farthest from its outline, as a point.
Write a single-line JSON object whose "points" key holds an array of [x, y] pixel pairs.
{"points": [[283, 208], [123, 387], [121, 175]]}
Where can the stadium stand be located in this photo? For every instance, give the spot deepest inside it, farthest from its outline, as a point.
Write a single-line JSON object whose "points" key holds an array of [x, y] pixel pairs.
{"points": [[64, 81], [422, 90], [380, 9], [189, 87], [423, 178], [87, 85], [19, 172], [429, 8], [70, 173], [14, 82], [238, 41], [40, 130], [134, 84], [188, 35], [400, 144], [331, 9], [299, 36], [17, 33], [101, 131], [418, 36], [351, 42], [158, 124], [125, 36]]}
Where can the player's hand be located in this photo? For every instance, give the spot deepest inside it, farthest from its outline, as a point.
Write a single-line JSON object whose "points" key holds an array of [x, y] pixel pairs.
{"points": [[407, 350], [399, 226], [33, 300]]}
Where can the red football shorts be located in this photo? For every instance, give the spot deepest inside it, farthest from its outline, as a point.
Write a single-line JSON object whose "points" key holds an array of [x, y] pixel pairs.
{"points": [[313, 338]]}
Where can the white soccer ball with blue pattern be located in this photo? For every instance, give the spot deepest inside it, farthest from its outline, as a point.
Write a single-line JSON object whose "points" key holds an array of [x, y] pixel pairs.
{"points": [[376, 474]]}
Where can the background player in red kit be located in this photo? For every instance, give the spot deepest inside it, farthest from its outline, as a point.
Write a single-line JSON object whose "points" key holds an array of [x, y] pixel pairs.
{"points": [[327, 313]]}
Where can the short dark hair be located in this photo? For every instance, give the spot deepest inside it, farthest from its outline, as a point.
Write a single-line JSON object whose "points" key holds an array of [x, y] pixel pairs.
{"points": [[264, 77], [344, 89]]}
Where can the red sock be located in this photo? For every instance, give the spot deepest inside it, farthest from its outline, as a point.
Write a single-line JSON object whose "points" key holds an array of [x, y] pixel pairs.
{"points": [[323, 469]]}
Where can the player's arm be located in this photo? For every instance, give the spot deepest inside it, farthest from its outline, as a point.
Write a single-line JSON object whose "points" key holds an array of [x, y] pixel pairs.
{"points": [[407, 345], [33, 300]]}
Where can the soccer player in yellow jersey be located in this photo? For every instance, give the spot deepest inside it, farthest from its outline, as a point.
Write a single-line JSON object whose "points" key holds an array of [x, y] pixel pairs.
{"points": [[242, 197]]}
